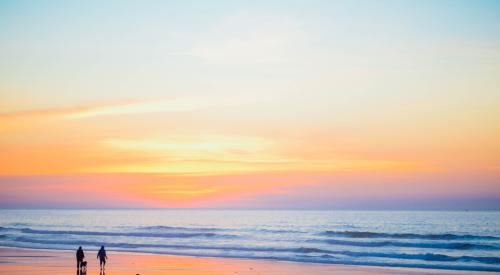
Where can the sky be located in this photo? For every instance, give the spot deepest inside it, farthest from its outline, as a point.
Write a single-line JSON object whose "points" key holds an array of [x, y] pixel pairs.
{"points": [[250, 104]]}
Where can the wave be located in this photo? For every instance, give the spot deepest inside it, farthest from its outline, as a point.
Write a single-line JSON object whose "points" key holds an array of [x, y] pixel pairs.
{"points": [[330, 259], [429, 257], [367, 234], [176, 228], [424, 257], [436, 245], [304, 250], [278, 231], [127, 234], [19, 224], [307, 250], [203, 229], [157, 231]]}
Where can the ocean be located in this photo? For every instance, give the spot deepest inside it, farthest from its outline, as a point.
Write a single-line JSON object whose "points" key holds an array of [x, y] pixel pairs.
{"points": [[424, 239]]}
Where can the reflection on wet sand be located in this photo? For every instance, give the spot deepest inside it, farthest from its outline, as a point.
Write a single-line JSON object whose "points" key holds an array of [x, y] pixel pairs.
{"points": [[53, 262]]}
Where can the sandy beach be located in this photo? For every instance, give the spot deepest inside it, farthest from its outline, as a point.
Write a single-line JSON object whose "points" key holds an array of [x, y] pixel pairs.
{"points": [[54, 262]]}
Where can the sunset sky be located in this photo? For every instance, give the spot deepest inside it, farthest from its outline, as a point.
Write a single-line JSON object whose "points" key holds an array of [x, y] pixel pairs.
{"points": [[250, 104]]}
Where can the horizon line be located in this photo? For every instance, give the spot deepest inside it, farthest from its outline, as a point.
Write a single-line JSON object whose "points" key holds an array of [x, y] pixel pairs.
{"points": [[249, 209]]}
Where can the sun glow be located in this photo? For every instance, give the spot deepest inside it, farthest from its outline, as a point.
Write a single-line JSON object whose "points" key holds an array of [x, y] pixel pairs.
{"points": [[248, 104]]}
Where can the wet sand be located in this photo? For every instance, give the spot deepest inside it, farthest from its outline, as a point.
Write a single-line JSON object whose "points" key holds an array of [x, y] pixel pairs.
{"points": [[16, 261]]}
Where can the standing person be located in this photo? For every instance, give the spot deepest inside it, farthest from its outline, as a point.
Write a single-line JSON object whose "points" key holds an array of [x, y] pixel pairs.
{"points": [[79, 257], [102, 257]]}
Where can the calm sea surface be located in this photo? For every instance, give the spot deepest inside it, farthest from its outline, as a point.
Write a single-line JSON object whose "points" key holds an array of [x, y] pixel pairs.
{"points": [[444, 240]]}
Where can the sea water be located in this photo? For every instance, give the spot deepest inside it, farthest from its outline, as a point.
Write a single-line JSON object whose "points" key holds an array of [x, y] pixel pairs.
{"points": [[427, 239]]}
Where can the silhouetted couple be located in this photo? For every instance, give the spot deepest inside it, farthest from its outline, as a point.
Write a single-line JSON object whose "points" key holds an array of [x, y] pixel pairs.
{"points": [[81, 265]]}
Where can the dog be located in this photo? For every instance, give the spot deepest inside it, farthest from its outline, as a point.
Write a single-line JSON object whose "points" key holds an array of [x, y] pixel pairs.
{"points": [[83, 267]]}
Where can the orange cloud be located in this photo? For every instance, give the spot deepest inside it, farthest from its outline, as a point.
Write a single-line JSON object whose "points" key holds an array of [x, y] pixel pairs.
{"points": [[248, 190]]}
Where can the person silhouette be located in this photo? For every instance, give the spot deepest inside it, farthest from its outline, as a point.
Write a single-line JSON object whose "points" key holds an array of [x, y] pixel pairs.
{"points": [[79, 258], [102, 257]]}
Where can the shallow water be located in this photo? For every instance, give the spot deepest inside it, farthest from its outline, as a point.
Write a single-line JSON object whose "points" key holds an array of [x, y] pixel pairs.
{"points": [[441, 240]]}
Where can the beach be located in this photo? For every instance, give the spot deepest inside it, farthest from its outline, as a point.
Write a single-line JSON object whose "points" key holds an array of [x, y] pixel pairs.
{"points": [[447, 241], [250, 137], [21, 261]]}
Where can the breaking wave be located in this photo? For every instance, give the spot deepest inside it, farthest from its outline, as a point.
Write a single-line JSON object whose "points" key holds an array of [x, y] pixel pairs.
{"points": [[366, 234]]}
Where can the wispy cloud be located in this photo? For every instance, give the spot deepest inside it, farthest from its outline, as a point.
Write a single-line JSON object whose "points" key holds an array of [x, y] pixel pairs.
{"points": [[14, 121], [173, 105], [128, 107], [233, 154], [105, 109]]}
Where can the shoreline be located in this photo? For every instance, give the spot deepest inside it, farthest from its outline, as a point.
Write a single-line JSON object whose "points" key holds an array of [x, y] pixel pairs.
{"points": [[24, 261]]}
